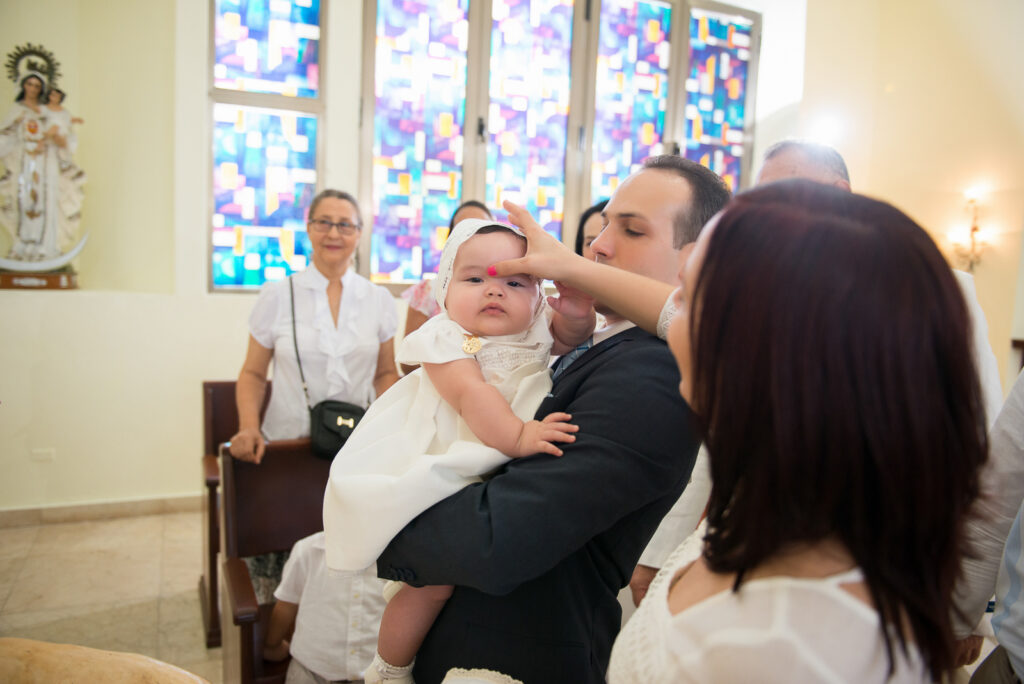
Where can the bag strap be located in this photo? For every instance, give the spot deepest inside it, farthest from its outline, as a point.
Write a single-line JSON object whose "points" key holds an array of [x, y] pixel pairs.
{"points": [[295, 341]]}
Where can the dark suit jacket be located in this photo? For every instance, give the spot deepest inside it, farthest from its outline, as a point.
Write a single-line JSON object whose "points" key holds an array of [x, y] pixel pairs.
{"points": [[539, 552]]}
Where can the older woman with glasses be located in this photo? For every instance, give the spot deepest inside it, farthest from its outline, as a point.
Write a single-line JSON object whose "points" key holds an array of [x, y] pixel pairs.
{"points": [[344, 332]]}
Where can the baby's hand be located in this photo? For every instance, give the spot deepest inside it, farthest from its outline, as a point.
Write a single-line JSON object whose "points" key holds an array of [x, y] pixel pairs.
{"points": [[570, 302], [537, 436]]}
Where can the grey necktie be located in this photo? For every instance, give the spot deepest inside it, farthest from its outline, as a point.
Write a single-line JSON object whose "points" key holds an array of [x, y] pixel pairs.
{"points": [[566, 360]]}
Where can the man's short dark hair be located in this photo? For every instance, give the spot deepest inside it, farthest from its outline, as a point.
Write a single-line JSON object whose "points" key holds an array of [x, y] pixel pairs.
{"points": [[821, 155], [710, 194]]}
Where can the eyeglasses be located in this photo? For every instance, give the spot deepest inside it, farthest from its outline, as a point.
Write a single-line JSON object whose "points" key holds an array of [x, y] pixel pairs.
{"points": [[324, 226]]}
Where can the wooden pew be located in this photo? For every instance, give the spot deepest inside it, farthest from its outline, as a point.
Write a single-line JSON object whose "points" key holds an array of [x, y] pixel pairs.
{"points": [[264, 508], [220, 422]]}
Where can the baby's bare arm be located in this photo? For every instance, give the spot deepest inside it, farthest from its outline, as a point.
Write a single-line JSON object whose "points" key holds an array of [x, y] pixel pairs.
{"points": [[462, 385]]}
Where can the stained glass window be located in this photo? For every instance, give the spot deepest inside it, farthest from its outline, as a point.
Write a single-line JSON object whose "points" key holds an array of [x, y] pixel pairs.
{"points": [[420, 91], [267, 46], [531, 41], [716, 91], [631, 89], [264, 176]]}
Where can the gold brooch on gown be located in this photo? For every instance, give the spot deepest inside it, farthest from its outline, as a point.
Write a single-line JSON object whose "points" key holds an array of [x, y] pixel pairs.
{"points": [[472, 344]]}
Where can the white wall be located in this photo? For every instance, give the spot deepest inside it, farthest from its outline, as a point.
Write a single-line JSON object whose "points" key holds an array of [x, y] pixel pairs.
{"points": [[926, 92], [109, 376], [111, 381], [780, 78]]}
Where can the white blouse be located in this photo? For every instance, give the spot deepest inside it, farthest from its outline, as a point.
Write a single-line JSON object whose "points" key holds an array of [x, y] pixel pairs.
{"points": [[339, 362], [775, 629]]}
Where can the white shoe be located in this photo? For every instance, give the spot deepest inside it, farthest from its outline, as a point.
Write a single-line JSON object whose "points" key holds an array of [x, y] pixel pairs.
{"points": [[382, 671]]}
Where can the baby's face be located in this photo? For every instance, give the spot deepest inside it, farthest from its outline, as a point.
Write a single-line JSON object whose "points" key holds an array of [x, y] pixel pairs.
{"points": [[490, 305]]}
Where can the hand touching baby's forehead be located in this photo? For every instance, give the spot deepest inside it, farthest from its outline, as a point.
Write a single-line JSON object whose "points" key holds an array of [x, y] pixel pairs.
{"points": [[489, 305]]}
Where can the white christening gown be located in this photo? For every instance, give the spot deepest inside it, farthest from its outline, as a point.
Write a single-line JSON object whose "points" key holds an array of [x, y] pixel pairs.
{"points": [[412, 449]]}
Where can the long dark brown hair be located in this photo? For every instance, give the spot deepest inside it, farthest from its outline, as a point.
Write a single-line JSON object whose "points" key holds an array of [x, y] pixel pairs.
{"points": [[834, 379]]}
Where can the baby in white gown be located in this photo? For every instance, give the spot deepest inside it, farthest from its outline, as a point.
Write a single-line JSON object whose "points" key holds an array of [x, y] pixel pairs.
{"points": [[465, 412]]}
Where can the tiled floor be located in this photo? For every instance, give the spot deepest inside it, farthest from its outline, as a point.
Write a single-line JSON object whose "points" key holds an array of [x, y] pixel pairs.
{"points": [[127, 584]]}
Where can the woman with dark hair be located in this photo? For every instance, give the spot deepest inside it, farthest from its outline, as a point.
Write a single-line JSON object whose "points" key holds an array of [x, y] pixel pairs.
{"points": [[589, 228], [469, 209], [822, 344], [420, 296]]}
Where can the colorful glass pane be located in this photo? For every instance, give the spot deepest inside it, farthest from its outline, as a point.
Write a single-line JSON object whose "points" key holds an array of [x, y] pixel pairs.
{"points": [[631, 91], [531, 41], [267, 46], [420, 91], [716, 91], [264, 176]]}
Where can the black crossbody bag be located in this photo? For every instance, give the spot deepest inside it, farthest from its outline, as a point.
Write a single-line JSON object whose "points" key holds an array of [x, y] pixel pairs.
{"points": [[330, 422]]}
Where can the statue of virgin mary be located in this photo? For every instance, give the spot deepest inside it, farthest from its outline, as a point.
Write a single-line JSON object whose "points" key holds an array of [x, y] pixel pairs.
{"points": [[40, 186]]}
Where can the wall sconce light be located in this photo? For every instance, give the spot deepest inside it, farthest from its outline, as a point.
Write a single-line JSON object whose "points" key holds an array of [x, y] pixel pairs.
{"points": [[967, 246]]}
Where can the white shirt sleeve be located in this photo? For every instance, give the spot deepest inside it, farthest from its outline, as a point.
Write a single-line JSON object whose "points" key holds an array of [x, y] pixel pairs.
{"points": [[1002, 490], [683, 518], [984, 358], [295, 573], [264, 314]]}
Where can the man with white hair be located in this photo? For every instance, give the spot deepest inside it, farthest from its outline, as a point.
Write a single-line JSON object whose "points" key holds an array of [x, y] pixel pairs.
{"points": [[799, 159], [823, 164]]}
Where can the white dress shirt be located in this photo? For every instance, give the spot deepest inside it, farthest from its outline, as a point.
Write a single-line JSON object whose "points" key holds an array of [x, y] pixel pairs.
{"points": [[339, 362], [1008, 458], [339, 612], [610, 330], [684, 516], [984, 359], [989, 527]]}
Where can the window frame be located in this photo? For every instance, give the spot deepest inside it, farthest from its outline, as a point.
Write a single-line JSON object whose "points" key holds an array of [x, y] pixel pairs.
{"points": [[306, 105], [749, 102]]}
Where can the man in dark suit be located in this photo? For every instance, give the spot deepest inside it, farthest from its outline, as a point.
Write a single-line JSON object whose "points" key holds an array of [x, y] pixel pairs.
{"points": [[539, 552]]}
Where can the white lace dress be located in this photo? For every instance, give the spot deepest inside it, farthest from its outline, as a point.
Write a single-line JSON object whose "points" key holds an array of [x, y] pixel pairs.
{"points": [[777, 629], [412, 449]]}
